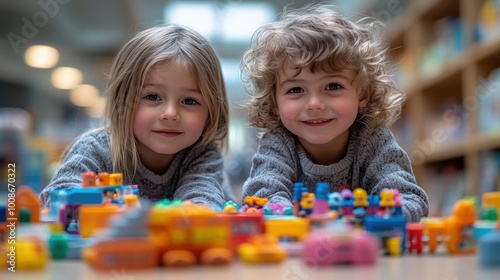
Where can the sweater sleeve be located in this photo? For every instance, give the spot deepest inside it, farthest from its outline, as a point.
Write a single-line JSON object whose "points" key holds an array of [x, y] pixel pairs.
{"points": [[274, 169], [390, 167], [90, 152], [202, 177]]}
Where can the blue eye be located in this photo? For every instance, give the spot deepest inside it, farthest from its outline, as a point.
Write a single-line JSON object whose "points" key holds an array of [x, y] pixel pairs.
{"points": [[333, 86], [152, 97], [190, 101], [295, 90]]}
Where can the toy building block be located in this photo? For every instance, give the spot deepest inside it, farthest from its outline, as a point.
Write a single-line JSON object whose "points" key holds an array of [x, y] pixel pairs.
{"points": [[436, 230], [89, 179], [491, 199], [27, 202], [189, 232], [339, 246], [3, 219], [373, 204], [415, 237], [287, 228], [320, 206], [394, 246], [83, 196], [386, 227], [276, 208], [298, 189], [31, 253], [261, 249], [58, 242], [459, 228], [488, 248], [103, 179], [117, 248], [115, 179], [93, 217], [243, 227]]}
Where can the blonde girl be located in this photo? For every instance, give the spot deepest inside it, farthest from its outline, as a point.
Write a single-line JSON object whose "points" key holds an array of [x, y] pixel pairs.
{"points": [[167, 114]]}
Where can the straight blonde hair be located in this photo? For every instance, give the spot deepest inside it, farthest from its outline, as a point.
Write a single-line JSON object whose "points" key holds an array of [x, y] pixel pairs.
{"points": [[127, 76]]}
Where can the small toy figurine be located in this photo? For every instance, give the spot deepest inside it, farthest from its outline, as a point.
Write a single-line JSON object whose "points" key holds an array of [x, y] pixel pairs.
{"points": [[347, 202], [386, 198], [334, 201], [360, 198], [306, 204], [230, 207]]}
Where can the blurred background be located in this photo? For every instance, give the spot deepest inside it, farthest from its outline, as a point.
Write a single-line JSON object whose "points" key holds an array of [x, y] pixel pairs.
{"points": [[55, 54]]}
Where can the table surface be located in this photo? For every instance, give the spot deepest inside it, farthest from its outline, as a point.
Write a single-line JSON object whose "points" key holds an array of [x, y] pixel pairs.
{"points": [[408, 267]]}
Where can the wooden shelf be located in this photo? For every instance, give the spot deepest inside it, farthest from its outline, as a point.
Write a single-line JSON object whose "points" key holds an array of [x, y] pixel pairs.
{"points": [[451, 87], [487, 141], [446, 151]]}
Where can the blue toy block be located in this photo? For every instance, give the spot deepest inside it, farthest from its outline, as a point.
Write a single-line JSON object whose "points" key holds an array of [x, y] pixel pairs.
{"points": [[298, 189], [380, 226], [3, 213], [488, 248], [84, 196], [322, 189]]}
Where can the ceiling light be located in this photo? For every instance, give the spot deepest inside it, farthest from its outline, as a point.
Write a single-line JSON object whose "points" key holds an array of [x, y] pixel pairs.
{"points": [[236, 25], [40, 56], [199, 16], [84, 95], [66, 77]]}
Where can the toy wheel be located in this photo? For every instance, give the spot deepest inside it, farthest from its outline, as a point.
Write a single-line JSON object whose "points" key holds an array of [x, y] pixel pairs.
{"points": [[216, 256], [178, 259]]}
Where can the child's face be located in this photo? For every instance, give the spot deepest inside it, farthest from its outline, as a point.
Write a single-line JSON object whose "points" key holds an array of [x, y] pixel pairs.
{"points": [[318, 107], [171, 113]]}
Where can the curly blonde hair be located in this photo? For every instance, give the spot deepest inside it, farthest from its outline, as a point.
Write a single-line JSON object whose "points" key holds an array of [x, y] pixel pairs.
{"points": [[319, 37]]}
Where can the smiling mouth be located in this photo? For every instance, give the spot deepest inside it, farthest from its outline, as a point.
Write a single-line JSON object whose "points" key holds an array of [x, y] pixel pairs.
{"points": [[317, 122], [168, 133]]}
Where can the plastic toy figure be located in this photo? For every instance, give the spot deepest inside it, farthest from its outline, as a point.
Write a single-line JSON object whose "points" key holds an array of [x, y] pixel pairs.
{"points": [[334, 201], [306, 204]]}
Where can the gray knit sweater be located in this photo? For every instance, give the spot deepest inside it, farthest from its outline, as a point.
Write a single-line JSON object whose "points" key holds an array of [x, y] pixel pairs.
{"points": [[373, 161], [194, 174]]}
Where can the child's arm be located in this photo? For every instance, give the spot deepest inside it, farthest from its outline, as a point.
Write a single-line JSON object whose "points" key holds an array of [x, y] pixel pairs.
{"points": [[89, 153], [202, 177], [274, 168], [387, 165]]}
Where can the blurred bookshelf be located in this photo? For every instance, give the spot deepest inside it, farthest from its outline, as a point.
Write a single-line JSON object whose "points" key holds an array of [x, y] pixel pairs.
{"points": [[447, 60]]}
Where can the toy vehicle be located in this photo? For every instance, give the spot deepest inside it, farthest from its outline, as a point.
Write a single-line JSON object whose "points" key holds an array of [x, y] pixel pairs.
{"points": [[261, 248], [190, 234], [340, 246], [179, 234]]}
